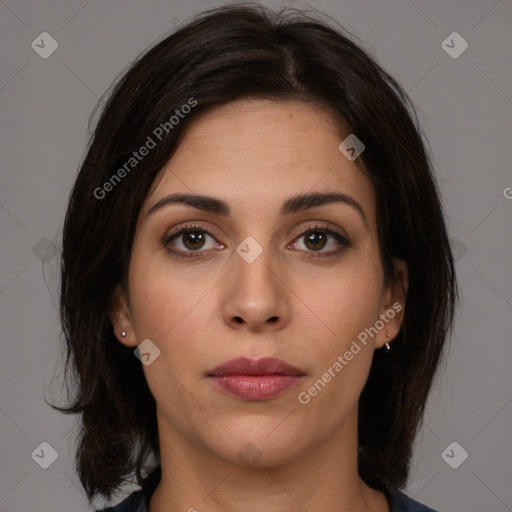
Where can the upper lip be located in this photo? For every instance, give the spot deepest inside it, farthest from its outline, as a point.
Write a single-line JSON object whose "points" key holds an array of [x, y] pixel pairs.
{"points": [[263, 366]]}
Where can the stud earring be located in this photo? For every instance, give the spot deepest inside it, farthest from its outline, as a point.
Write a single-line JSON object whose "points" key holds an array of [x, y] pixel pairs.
{"points": [[387, 344], [123, 335]]}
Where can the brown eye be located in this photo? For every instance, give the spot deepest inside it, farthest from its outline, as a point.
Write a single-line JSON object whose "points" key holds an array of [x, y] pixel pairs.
{"points": [[321, 242], [190, 241], [315, 240], [193, 240]]}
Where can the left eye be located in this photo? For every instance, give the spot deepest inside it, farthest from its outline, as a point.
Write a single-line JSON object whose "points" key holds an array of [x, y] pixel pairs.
{"points": [[316, 240]]}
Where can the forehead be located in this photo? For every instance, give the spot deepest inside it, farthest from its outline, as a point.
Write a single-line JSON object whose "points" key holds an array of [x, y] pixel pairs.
{"points": [[258, 152]]}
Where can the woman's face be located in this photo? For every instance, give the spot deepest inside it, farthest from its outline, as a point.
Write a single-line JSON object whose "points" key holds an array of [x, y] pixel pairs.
{"points": [[264, 274]]}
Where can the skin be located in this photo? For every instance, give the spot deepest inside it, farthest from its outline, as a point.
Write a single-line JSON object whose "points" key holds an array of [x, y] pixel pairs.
{"points": [[202, 311]]}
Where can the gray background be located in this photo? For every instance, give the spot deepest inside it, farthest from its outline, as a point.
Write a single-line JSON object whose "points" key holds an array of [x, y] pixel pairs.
{"points": [[465, 106]]}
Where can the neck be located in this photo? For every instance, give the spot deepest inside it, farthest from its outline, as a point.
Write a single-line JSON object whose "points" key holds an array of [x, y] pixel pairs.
{"points": [[323, 478]]}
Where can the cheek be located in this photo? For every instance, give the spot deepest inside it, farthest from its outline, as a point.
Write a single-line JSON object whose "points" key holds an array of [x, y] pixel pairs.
{"points": [[158, 298], [332, 396], [169, 309], [347, 300], [348, 305], [341, 359], [173, 309]]}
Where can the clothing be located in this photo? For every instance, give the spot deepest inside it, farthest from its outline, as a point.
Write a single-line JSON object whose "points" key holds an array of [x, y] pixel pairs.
{"points": [[138, 501]]}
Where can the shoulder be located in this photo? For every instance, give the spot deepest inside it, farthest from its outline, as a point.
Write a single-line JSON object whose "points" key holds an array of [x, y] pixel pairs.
{"points": [[138, 501], [133, 503], [402, 503]]}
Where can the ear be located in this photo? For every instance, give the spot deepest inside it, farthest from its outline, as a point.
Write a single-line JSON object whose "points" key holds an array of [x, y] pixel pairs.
{"points": [[393, 303], [120, 317]]}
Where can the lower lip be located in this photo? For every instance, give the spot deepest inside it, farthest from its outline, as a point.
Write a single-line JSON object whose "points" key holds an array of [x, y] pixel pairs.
{"points": [[255, 387]]}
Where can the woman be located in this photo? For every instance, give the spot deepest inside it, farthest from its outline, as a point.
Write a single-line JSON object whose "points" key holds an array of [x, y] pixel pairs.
{"points": [[256, 221]]}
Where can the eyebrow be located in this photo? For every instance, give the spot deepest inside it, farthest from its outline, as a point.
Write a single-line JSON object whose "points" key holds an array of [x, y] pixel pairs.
{"points": [[294, 204]]}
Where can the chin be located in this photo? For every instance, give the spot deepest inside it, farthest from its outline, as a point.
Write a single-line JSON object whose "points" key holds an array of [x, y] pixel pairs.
{"points": [[262, 447]]}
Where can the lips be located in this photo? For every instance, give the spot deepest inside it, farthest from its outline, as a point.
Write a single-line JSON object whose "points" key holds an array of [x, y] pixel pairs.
{"points": [[255, 380], [264, 366]]}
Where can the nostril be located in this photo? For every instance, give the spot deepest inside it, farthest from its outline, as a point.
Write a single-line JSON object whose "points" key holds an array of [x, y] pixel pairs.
{"points": [[273, 319], [238, 320]]}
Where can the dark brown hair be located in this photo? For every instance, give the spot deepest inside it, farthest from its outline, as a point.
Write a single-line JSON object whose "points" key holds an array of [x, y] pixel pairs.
{"points": [[226, 54]]}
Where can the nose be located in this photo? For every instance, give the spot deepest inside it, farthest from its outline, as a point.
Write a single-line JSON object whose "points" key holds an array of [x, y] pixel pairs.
{"points": [[256, 296]]}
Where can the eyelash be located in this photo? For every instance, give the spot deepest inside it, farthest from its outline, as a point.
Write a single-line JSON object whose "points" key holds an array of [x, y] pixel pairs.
{"points": [[190, 228]]}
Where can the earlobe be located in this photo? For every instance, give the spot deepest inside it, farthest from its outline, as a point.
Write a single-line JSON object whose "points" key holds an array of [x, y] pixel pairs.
{"points": [[120, 317]]}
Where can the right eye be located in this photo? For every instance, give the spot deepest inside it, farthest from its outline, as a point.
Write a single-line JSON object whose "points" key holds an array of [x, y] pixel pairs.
{"points": [[189, 240]]}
